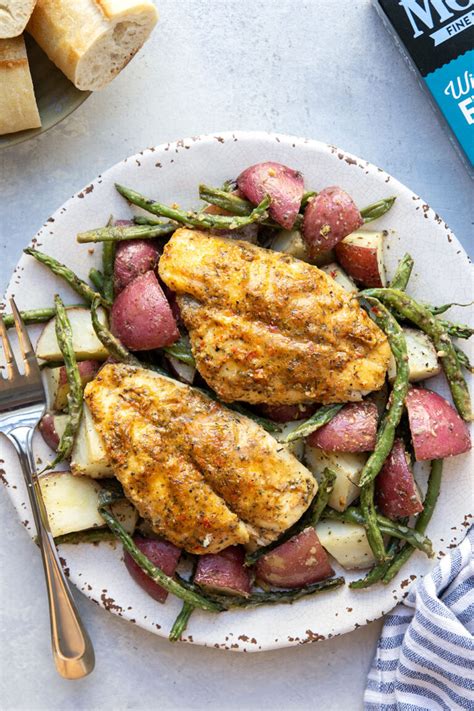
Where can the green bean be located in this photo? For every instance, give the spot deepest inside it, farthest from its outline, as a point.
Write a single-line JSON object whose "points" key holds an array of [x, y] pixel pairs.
{"points": [[126, 232], [377, 209], [279, 597], [74, 397], [326, 485], [181, 350], [192, 219], [404, 532], [225, 200], [456, 330], [34, 315], [403, 272], [422, 521], [142, 220], [463, 359], [108, 340], [270, 597], [309, 519], [169, 584], [378, 571], [373, 532], [79, 286], [392, 416], [306, 198], [229, 185], [97, 279], [108, 260], [109, 497], [320, 418], [116, 349], [181, 622], [435, 310], [387, 527], [236, 205], [90, 535], [433, 327]]}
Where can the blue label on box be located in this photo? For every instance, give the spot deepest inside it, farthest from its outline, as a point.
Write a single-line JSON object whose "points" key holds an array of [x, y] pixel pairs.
{"points": [[438, 36], [452, 87]]}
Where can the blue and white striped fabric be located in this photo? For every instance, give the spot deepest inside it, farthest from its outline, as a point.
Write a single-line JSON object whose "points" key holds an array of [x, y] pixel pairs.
{"points": [[425, 656]]}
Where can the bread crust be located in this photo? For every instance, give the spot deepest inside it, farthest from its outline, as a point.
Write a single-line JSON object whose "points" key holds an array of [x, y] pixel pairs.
{"points": [[76, 34], [18, 109]]}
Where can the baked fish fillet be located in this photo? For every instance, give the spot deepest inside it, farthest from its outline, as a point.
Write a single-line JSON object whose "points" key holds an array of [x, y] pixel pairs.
{"points": [[267, 328], [205, 477]]}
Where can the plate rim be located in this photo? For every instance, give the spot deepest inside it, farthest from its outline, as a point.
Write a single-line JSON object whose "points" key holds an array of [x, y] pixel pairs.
{"points": [[255, 136]]}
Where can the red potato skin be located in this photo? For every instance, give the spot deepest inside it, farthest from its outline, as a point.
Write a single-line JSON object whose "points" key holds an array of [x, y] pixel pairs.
{"points": [[395, 488], [171, 299], [300, 561], [132, 258], [141, 316], [360, 263], [162, 554], [48, 431], [224, 572], [287, 413], [353, 429], [284, 185], [328, 218], [88, 369], [179, 373], [437, 431]]}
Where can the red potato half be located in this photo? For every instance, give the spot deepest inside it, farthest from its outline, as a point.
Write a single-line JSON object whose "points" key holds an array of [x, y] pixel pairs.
{"points": [[57, 384], [132, 258], [437, 431], [224, 572], [51, 428], [184, 372], [353, 429], [328, 218], [287, 413], [163, 555], [395, 487], [284, 185], [300, 561], [48, 431], [361, 255], [141, 317]]}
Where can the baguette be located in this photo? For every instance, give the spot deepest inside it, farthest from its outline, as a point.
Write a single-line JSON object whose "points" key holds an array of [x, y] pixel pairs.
{"points": [[18, 110], [14, 15], [91, 40]]}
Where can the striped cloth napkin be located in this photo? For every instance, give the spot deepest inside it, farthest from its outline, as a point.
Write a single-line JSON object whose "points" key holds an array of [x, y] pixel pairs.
{"points": [[425, 656]]}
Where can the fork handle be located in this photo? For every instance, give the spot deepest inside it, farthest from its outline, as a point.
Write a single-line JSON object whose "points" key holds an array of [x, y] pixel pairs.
{"points": [[72, 649]]}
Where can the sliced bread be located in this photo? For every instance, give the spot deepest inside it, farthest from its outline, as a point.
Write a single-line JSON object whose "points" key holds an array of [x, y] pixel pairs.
{"points": [[91, 40], [18, 110], [14, 15]]}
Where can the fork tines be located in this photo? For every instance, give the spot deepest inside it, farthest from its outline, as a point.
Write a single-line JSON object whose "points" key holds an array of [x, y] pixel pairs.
{"points": [[19, 389]]}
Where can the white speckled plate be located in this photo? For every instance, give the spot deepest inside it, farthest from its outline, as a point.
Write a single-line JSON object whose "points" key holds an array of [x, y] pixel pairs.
{"points": [[172, 173]]}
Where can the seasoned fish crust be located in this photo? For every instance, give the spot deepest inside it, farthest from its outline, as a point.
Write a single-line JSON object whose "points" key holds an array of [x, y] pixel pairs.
{"points": [[268, 328], [204, 476]]}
